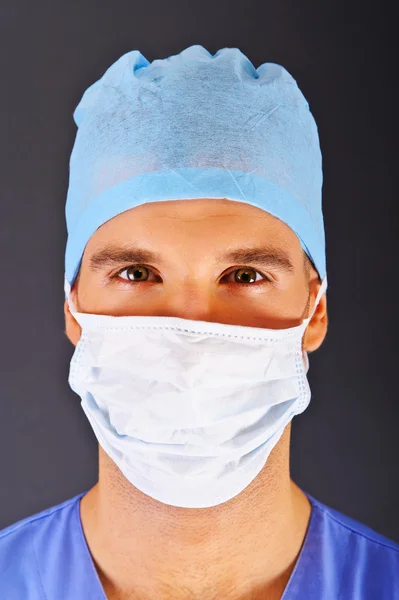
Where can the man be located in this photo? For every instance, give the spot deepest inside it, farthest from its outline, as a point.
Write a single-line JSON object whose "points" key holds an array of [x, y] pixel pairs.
{"points": [[195, 289]]}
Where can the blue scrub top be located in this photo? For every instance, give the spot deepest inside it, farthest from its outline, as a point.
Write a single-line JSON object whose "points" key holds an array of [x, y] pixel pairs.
{"points": [[46, 557]]}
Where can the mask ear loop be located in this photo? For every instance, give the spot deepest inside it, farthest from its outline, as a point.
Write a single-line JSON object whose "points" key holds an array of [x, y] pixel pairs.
{"points": [[321, 291], [67, 290]]}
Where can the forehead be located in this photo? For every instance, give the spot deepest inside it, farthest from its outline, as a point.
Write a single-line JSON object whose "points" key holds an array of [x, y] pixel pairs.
{"points": [[214, 223], [223, 230], [220, 213], [199, 208]]}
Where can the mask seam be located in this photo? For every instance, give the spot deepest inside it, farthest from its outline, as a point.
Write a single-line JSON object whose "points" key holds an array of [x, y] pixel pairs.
{"points": [[210, 334], [76, 359], [302, 376]]}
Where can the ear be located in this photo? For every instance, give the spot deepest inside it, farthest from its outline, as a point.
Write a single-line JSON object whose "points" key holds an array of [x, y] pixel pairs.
{"points": [[72, 328], [316, 330]]}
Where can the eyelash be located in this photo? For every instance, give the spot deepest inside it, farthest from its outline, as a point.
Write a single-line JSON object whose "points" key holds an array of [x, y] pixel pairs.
{"points": [[128, 282]]}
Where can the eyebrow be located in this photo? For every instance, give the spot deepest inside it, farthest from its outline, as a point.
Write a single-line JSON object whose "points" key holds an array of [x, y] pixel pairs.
{"points": [[267, 256]]}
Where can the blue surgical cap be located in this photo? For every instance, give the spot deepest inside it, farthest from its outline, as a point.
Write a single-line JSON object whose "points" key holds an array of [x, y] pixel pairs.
{"points": [[192, 126]]}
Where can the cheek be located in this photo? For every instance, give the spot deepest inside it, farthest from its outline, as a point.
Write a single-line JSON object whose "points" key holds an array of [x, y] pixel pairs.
{"points": [[282, 308]]}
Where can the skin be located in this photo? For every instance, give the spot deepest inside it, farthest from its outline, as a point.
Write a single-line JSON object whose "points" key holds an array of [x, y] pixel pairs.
{"points": [[247, 547]]}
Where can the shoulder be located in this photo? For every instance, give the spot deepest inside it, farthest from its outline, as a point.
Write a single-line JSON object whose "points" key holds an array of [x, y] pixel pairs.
{"points": [[356, 531], [369, 561], [22, 545]]}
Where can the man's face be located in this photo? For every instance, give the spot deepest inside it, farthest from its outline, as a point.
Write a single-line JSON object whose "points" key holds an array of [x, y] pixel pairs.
{"points": [[191, 277]]}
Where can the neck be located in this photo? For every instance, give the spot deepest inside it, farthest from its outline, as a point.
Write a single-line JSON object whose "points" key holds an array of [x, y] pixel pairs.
{"points": [[247, 545]]}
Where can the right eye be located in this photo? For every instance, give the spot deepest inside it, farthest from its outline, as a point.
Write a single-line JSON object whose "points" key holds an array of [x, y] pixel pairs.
{"points": [[134, 273]]}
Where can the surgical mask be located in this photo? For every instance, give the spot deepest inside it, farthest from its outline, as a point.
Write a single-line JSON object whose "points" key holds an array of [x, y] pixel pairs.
{"points": [[189, 410]]}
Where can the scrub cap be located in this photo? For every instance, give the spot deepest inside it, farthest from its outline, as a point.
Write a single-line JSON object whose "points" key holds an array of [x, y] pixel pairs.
{"points": [[192, 126]]}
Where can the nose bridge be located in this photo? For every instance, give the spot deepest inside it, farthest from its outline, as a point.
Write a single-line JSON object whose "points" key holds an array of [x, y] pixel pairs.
{"points": [[191, 287], [193, 299]]}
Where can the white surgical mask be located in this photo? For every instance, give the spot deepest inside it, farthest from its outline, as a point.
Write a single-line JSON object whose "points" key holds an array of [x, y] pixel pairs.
{"points": [[188, 410]]}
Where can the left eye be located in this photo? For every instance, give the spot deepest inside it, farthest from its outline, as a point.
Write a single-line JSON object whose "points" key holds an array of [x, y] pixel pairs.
{"points": [[243, 276], [248, 276]]}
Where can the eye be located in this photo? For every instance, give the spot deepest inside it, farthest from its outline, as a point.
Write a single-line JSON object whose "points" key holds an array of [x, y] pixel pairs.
{"points": [[244, 276], [132, 272], [247, 276]]}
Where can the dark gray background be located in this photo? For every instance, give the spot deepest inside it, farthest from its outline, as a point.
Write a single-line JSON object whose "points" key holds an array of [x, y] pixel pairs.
{"points": [[345, 447]]}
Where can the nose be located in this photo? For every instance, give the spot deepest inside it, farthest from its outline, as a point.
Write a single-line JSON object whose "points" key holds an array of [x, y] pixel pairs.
{"points": [[195, 301]]}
